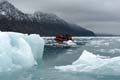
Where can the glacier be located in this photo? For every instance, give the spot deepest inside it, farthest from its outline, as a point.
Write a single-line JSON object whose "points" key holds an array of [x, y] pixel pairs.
{"points": [[93, 64], [19, 50]]}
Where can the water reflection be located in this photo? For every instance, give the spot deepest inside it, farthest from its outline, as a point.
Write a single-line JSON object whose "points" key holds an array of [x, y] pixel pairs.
{"points": [[54, 56]]}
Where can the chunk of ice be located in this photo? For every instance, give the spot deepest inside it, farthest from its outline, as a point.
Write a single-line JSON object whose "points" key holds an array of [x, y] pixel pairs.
{"points": [[19, 50], [94, 64]]}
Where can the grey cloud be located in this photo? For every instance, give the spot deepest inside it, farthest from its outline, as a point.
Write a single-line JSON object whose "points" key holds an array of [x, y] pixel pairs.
{"points": [[103, 27]]}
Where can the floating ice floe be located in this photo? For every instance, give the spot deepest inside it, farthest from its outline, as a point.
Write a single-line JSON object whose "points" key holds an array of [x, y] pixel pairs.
{"points": [[94, 64], [111, 51], [99, 43], [19, 50]]}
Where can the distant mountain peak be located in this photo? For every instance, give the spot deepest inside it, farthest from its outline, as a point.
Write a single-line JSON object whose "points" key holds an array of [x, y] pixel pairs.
{"points": [[11, 12], [6, 6], [5, 3], [46, 24], [48, 17]]}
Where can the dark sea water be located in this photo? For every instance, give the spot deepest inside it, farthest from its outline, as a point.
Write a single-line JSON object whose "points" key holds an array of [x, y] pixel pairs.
{"points": [[104, 67]]}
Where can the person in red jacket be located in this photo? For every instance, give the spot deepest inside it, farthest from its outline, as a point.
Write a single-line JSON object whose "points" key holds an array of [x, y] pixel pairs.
{"points": [[62, 38], [59, 38]]}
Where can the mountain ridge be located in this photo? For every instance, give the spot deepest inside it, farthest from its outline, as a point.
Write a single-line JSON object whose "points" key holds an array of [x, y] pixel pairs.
{"points": [[45, 24]]}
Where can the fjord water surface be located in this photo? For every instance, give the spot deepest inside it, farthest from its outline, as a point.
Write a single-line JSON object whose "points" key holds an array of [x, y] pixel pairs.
{"points": [[49, 68]]}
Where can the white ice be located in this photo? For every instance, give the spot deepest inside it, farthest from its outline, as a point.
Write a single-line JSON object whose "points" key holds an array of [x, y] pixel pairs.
{"points": [[70, 43], [95, 64], [19, 50]]}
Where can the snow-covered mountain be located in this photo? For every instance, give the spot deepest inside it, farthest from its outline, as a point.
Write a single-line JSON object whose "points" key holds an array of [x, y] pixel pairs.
{"points": [[45, 17], [12, 19], [9, 11]]}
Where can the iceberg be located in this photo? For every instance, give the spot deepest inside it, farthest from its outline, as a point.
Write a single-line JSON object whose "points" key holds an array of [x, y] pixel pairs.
{"points": [[93, 64], [19, 50]]}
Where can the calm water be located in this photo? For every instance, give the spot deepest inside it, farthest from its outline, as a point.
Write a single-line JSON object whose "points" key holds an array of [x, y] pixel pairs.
{"points": [[45, 70]]}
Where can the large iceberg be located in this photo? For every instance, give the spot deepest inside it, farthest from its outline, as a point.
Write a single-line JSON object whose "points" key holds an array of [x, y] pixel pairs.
{"points": [[19, 50], [94, 64]]}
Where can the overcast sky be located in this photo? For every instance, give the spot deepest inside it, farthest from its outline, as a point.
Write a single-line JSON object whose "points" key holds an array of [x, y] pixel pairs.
{"points": [[96, 15]]}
